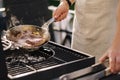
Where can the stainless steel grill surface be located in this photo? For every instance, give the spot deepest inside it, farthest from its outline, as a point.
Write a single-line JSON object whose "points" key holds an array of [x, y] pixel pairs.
{"points": [[50, 61]]}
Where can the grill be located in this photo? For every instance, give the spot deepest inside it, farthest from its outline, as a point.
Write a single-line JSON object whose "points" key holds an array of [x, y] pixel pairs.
{"points": [[51, 59]]}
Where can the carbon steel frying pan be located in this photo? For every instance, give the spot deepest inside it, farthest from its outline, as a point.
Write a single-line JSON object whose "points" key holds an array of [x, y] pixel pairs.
{"points": [[41, 35]]}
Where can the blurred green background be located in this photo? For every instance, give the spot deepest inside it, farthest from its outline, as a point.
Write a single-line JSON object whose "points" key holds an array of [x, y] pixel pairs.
{"points": [[56, 3]]}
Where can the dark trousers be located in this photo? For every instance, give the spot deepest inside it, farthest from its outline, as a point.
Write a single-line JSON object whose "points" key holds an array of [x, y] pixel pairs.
{"points": [[3, 68]]}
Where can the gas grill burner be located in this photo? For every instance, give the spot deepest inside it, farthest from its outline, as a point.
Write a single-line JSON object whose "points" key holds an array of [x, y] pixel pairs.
{"points": [[22, 57]]}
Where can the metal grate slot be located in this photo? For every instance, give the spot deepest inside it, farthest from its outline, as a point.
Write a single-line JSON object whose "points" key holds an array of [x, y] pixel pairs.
{"points": [[45, 64], [17, 70], [66, 54]]}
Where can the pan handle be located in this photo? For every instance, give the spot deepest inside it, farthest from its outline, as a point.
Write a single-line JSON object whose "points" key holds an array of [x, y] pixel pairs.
{"points": [[50, 21], [46, 24], [91, 69], [108, 71]]}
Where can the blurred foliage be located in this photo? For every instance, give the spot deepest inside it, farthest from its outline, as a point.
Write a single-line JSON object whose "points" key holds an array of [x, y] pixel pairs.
{"points": [[56, 3]]}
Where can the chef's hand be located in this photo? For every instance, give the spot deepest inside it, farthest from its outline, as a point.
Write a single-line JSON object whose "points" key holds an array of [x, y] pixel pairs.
{"points": [[61, 12], [113, 54]]}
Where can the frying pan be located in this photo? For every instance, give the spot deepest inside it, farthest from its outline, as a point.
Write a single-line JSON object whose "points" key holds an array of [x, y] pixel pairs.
{"points": [[41, 34]]}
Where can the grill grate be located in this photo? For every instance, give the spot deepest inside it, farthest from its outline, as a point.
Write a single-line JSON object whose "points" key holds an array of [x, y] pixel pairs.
{"points": [[18, 69], [70, 54], [59, 57], [44, 65]]}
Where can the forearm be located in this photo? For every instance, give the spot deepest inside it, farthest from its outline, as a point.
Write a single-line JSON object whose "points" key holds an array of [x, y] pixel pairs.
{"points": [[116, 41]]}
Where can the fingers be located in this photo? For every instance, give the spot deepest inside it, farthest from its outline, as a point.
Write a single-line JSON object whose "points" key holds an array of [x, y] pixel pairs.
{"points": [[103, 58], [117, 64], [61, 12], [112, 63], [60, 15], [57, 13]]}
